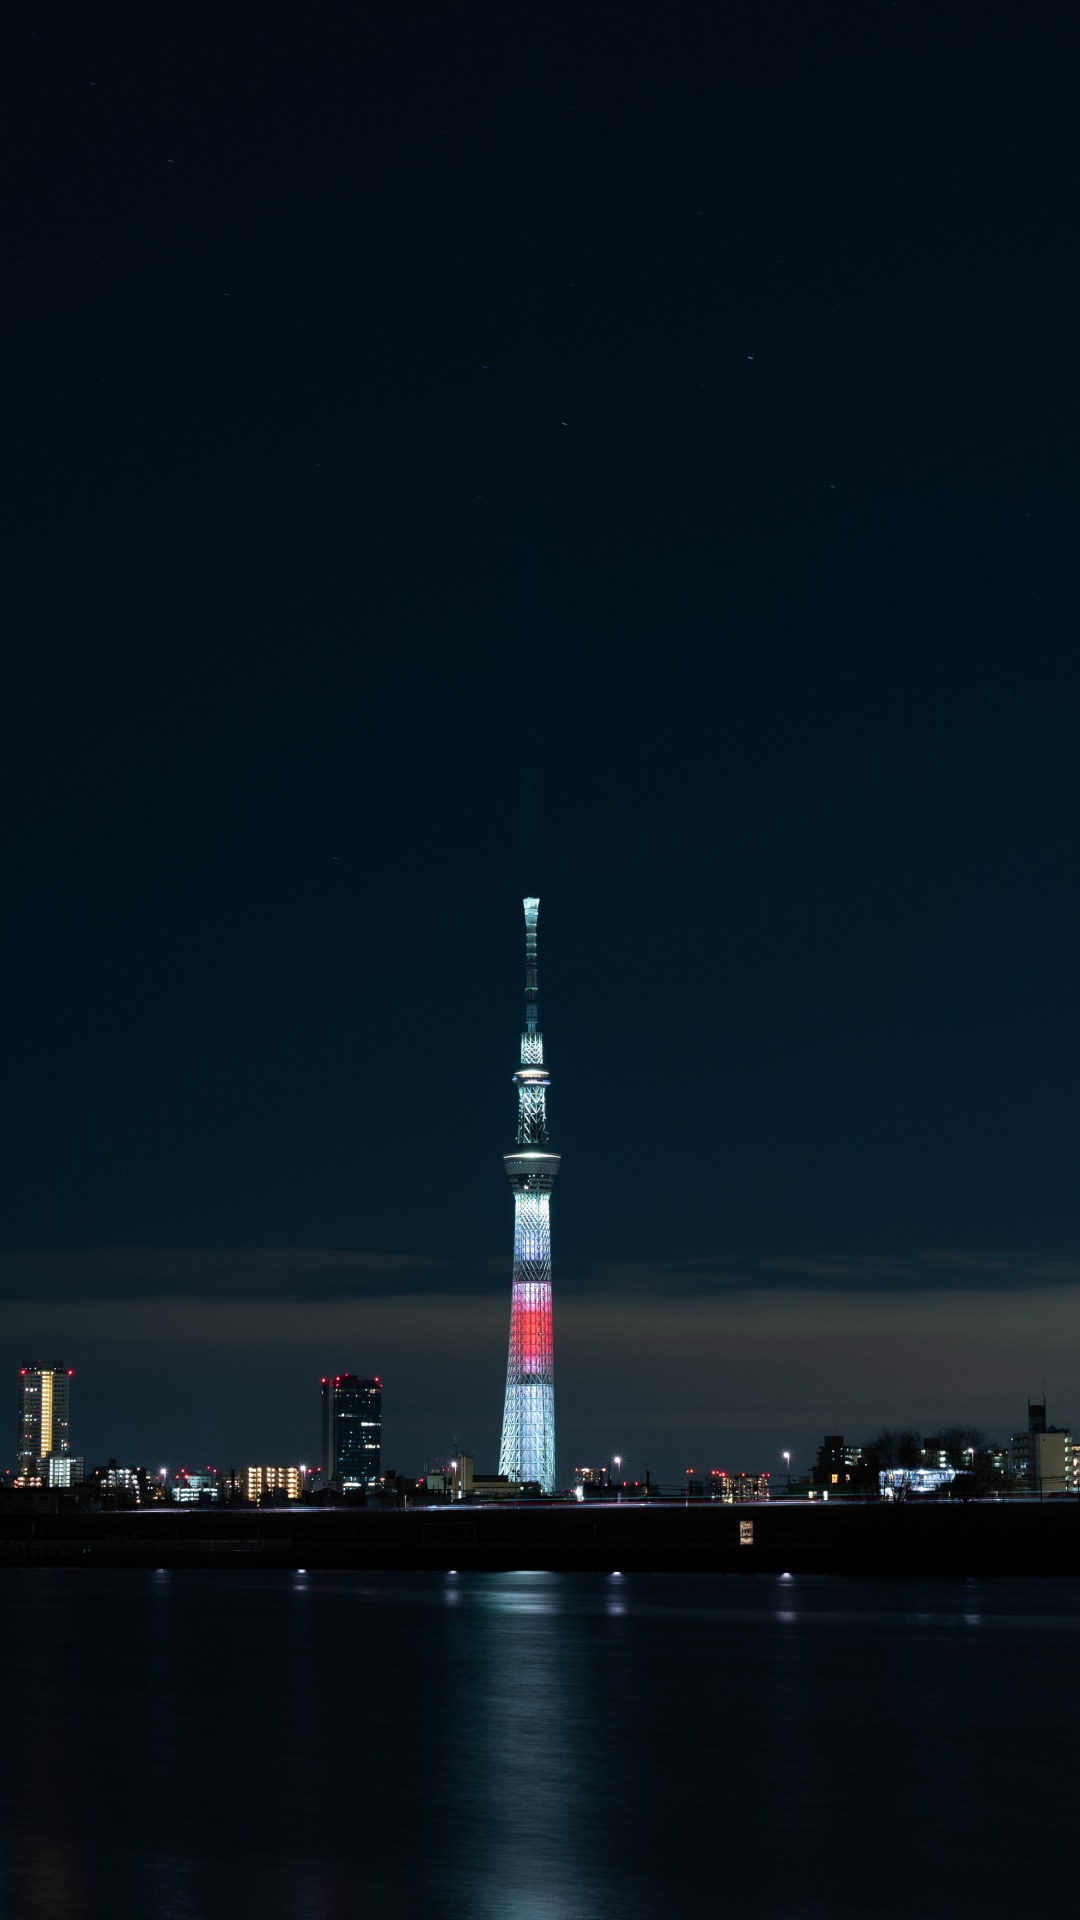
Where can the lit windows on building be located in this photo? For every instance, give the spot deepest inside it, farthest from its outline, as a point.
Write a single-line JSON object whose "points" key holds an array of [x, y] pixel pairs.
{"points": [[352, 1432], [116, 1486], [61, 1470], [749, 1486], [195, 1489], [285, 1482], [735, 1488], [719, 1484]]}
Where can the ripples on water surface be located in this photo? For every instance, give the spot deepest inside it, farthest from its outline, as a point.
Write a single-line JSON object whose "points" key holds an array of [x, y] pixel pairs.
{"points": [[534, 1746]]}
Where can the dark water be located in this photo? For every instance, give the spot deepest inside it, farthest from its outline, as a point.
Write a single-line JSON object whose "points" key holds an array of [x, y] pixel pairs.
{"points": [[535, 1746]]}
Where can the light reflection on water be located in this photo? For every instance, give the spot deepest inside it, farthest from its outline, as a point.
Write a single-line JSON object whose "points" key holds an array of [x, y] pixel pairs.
{"points": [[311, 1746]]}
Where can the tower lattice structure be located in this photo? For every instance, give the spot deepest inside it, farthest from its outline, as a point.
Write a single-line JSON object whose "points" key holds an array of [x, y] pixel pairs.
{"points": [[528, 1433]]}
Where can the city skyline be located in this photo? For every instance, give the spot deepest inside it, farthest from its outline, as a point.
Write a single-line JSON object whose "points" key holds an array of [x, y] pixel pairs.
{"points": [[351, 1456], [733, 1446]]}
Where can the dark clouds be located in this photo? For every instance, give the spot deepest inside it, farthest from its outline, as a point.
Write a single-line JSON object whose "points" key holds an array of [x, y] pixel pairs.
{"points": [[308, 1276]]}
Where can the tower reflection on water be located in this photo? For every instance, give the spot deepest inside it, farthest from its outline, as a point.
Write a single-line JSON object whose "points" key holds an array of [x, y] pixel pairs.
{"points": [[532, 1746]]}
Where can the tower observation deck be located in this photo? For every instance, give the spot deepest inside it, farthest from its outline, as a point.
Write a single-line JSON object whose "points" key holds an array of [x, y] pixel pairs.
{"points": [[528, 1434]]}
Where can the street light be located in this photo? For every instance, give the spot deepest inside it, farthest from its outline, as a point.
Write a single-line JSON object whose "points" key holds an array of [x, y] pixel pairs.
{"points": [[786, 1457]]}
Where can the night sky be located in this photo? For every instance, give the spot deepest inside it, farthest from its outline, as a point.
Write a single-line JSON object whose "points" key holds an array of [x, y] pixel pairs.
{"points": [[624, 455]]}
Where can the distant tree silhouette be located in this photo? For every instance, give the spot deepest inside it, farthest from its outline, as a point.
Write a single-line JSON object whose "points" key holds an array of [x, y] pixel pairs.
{"points": [[962, 1444], [966, 1449], [892, 1447]]}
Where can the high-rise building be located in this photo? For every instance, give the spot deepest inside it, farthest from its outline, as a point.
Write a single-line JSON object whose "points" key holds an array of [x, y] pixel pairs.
{"points": [[43, 1428], [352, 1431], [528, 1434]]}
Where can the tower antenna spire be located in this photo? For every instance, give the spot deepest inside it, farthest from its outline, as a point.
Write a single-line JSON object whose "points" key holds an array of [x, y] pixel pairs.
{"points": [[532, 992], [528, 1433]]}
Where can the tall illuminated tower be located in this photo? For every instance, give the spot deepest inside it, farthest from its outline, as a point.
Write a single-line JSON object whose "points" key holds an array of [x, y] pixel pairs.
{"points": [[528, 1434], [43, 1432]]}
